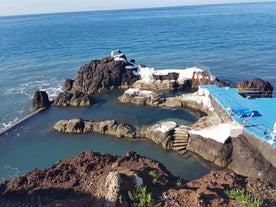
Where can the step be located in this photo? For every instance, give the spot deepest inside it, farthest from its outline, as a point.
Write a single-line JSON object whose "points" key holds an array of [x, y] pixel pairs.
{"points": [[180, 141], [186, 139], [178, 148], [181, 137]]}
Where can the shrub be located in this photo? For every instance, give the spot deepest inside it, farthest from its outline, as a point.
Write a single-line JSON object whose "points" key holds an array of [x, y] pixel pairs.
{"points": [[243, 198], [141, 198]]}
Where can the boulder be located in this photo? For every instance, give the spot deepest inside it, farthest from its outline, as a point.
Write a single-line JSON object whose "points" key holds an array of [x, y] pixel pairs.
{"points": [[264, 87], [102, 75], [111, 188], [112, 127], [40, 100], [73, 99], [211, 150], [162, 134], [70, 126]]}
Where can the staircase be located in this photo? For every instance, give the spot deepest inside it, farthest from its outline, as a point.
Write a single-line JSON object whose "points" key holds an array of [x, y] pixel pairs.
{"points": [[181, 139]]}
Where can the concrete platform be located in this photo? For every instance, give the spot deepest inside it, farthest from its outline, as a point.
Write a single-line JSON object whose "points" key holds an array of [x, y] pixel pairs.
{"points": [[258, 115]]}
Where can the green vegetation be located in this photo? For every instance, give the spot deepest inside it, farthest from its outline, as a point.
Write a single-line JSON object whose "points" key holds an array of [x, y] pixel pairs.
{"points": [[152, 173], [154, 176], [141, 198], [243, 198]]}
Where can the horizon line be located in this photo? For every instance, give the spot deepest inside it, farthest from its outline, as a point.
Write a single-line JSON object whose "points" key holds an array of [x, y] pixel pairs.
{"points": [[138, 8]]}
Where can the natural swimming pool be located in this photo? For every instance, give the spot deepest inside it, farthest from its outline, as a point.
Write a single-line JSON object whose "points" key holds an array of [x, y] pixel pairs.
{"points": [[34, 144]]}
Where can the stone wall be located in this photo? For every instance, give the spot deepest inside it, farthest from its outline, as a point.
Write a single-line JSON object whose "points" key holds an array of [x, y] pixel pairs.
{"points": [[219, 110]]}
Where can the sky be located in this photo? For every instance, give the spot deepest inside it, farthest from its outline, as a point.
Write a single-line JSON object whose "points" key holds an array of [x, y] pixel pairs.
{"points": [[20, 7]]}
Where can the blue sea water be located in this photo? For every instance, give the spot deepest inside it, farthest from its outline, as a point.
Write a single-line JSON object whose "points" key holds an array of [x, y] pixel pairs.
{"points": [[236, 41]]}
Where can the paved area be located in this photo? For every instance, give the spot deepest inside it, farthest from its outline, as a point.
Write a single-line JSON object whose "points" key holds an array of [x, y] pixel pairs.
{"points": [[257, 114]]}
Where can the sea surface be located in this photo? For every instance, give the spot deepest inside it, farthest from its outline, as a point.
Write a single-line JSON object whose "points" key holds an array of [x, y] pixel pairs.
{"points": [[236, 41]]}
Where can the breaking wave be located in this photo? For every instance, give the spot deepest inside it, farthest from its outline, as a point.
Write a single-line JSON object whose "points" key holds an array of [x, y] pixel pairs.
{"points": [[53, 87]]}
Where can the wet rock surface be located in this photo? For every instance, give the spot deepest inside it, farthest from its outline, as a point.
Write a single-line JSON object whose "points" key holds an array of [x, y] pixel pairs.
{"points": [[94, 179]]}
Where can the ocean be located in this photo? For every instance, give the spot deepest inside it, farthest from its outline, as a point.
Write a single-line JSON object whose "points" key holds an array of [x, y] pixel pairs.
{"points": [[236, 41]]}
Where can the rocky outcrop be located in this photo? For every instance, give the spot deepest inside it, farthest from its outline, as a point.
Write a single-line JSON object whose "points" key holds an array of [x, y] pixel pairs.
{"points": [[68, 84], [146, 97], [167, 134], [141, 97], [264, 88], [40, 100], [218, 153], [162, 134], [109, 127], [169, 76], [78, 99], [248, 160], [90, 179], [162, 85], [102, 75], [96, 77], [100, 180]]}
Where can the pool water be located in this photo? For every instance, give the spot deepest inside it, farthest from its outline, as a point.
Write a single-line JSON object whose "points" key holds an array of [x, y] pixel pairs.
{"points": [[34, 144]]}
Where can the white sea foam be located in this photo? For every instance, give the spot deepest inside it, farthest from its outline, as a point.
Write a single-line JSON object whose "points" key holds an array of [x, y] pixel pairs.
{"points": [[10, 122], [53, 87]]}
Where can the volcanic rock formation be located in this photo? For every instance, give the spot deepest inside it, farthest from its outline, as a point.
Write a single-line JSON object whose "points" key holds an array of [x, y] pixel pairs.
{"points": [[100, 180], [40, 100]]}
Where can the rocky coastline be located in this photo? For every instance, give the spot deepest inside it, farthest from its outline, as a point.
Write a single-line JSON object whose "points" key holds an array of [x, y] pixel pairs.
{"points": [[94, 179], [239, 154]]}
